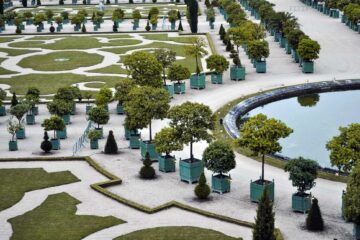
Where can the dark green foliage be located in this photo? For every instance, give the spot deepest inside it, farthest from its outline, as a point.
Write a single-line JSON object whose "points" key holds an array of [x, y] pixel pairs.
{"points": [[14, 100], [237, 61], [193, 9], [202, 190], [18, 30], [147, 171], [107, 1], [219, 157], [221, 30], [131, 1], [111, 146], [314, 221], [46, 145], [207, 3], [83, 28], [38, 2], [147, 28], [178, 14], [180, 27], [265, 219], [228, 46]]}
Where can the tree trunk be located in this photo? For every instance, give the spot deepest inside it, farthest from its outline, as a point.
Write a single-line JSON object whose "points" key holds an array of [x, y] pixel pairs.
{"points": [[262, 167], [150, 132], [191, 151], [164, 77]]}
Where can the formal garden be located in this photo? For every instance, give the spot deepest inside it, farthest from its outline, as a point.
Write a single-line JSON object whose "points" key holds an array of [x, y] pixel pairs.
{"points": [[114, 120]]}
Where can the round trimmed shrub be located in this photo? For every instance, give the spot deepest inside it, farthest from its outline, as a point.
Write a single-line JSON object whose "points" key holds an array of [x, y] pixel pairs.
{"points": [[147, 171], [202, 190], [46, 145]]}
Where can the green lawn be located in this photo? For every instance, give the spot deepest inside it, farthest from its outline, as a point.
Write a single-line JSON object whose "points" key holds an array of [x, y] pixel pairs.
{"points": [[61, 61], [94, 85], [115, 69], [7, 39], [165, 37], [16, 52], [16, 182], [74, 43], [49, 83], [4, 71], [176, 233], [56, 219]]}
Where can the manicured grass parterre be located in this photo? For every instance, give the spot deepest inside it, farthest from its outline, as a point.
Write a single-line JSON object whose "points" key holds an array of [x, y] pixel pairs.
{"points": [[176, 233], [4, 71], [61, 61], [94, 85], [114, 69], [56, 219], [16, 52], [16, 182]]}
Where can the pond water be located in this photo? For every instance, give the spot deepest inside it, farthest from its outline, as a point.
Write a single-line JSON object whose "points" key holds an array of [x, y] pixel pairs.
{"points": [[315, 119]]}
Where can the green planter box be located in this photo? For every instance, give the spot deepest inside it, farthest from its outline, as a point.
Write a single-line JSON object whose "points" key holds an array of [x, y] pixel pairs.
{"points": [[287, 48], [120, 109], [134, 142], [61, 134], [2, 111], [295, 55], [220, 183], [356, 231], [216, 78], [173, 25], [88, 108], [167, 164], [35, 110], [66, 118], [197, 81], [277, 36], [237, 73], [170, 89], [257, 189], [146, 146], [101, 130], [282, 41], [307, 67], [260, 66], [30, 119], [301, 203], [20, 134], [190, 171], [13, 146], [179, 87], [55, 143], [94, 144], [334, 13]]}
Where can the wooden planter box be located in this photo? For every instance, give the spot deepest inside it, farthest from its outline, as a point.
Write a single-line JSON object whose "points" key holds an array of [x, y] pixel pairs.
{"points": [[13, 146], [216, 78], [66, 118], [55, 143], [2, 111], [173, 26], [257, 189], [30, 119], [61, 134], [282, 41], [307, 67], [35, 110], [20, 134], [190, 171], [295, 55], [120, 109], [167, 164], [94, 144], [356, 231], [237, 73], [170, 89], [301, 203], [197, 81], [146, 146], [179, 87], [134, 142], [220, 183], [260, 66]]}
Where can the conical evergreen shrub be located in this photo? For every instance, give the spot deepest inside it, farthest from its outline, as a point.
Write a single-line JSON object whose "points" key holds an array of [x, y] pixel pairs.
{"points": [[83, 28], [147, 171], [265, 219], [228, 46], [221, 30], [14, 100], [180, 28], [314, 221], [46, 145], [111, 146], [202, 190]]}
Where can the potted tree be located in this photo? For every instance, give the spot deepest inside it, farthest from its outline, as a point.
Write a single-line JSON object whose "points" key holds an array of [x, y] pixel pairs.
{"points": [[144, 105], [13, 128], [59, 21], [132, 133], [136, 15], [103, 97], [54, 123], [258, 50], [99, 116], [302, 173], [154, 21], [177, 73], [219, 64], [2, 98], [261, 136], [28, 17], [197, 50], [76, 21], [38, 21], [49, 15], [121, 95], [33, 96], [65, 16], [19, 111], [210, 16], [237, 71], [219, 158], [68, 94], [191, 122], [94, 136], [62, 108], [173, 17], [166, 58], [308, 51], [294, 37], [165, 142]]}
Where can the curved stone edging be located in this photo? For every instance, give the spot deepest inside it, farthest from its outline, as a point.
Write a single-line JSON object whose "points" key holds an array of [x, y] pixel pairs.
{"points": [[249, 104]]}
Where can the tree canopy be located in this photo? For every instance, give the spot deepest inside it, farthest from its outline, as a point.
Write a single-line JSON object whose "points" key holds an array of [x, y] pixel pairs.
{"points": [[98, 115], [352, 196], [177, 72], [165, 141], [196, 49], [219, 157], [218, 63], [308, 49], [123, 89], [165, 57]]}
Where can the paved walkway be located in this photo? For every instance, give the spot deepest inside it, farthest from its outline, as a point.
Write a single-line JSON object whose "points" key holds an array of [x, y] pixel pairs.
{"points": [[341, 62]]}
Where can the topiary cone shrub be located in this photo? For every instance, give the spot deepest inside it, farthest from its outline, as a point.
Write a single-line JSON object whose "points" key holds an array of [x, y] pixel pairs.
{"points": [[46, 145], [314, 221], [147, 171], [111, 146], [265, 219], [202, 190]]}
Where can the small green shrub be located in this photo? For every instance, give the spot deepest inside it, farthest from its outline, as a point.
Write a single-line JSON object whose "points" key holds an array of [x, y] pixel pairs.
{"points": [[202, 190], [314, 221], [147, 171], [111, 145], [46, 145]]}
